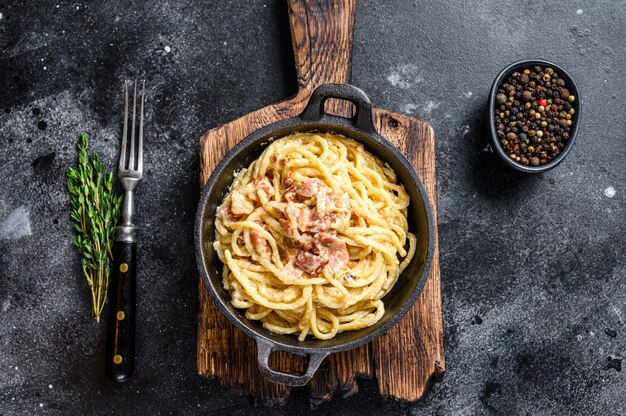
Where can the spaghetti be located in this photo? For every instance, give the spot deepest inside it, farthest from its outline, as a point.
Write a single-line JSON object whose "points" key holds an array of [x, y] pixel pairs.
{"points": [[312, 235]]}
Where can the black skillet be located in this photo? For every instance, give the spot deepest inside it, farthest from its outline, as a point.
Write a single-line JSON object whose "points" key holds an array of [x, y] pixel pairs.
{"points": [[410, 283]]}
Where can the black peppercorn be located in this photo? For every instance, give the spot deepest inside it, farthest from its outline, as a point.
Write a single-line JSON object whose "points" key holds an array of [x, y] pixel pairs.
{"points": [[527, 95]]}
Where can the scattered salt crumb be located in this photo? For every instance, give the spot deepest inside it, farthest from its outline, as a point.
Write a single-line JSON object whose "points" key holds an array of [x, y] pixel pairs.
{"points": [[1, 15], [429, 107], [45, 67], [579, 11], [225, 43], [16, 368], [579, 337], [394, 79], [77, 7], [404, 76], [591, 333], [49, 386], [409, 108], [40, 404], [609, 192], [167, 49], [468, 94]]}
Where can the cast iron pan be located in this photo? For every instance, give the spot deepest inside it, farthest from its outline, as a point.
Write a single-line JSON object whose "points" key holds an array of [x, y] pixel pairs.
{"points": [[397, 302]]}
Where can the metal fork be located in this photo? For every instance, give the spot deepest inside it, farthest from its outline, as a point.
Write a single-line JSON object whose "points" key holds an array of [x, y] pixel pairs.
{"points": [[120, 355]]}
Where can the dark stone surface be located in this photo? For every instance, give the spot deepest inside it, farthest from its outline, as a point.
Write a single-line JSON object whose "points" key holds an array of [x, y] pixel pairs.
{"points": [[533, 266]]}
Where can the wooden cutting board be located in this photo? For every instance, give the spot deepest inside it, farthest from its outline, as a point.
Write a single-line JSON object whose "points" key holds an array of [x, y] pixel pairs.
{"points": [[407, 357]]}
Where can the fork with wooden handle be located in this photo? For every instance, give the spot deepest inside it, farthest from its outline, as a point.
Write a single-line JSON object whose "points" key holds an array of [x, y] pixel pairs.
{"points": [[120, 355]]}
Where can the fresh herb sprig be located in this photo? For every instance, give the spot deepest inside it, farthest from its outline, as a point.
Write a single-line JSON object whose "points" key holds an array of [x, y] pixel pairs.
{"points": [[95, 211]]}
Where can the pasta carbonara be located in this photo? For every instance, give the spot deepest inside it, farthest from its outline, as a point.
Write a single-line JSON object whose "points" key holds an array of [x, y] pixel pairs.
{"points": [[312, 235]]}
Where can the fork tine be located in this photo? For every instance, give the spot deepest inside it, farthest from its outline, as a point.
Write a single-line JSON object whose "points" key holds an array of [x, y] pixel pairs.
{"points": [[131, 156], [140, 139], [122, 164]]}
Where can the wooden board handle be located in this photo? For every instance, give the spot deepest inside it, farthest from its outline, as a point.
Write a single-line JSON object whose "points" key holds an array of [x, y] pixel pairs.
{"points": [[321, 32]]}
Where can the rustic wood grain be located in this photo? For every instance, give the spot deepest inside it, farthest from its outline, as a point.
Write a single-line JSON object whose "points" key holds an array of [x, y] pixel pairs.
{"points": [[405, 359], [411, 353]]}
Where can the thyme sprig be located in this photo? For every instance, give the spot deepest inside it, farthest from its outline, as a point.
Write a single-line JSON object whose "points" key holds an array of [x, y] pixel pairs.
{"points": [[95, 210]]}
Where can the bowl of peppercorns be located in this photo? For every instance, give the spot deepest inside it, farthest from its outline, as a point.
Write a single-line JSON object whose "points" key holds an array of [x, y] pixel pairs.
{"points": [[534, 114]]}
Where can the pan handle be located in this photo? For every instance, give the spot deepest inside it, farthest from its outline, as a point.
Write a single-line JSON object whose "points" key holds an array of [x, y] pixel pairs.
{"points": [[265, 348], [363, 115]]}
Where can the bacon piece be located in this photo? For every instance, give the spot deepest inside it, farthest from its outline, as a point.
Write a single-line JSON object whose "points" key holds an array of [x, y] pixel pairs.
{"points": [[324, 201], [332, 221], [309, 188], [292, 212], [291, 231], [278, 206], [339, 218], [310, 263], [316, 223], [261, 185], [260, 244], [225, 214], [304, 218], [333, 249], [290, 194], [290, 272], [288, 179], [239, 204], [291, 251]]}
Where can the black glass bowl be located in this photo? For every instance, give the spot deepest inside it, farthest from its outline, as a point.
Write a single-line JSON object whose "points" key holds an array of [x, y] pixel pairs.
{"points": [[577, 105]]}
